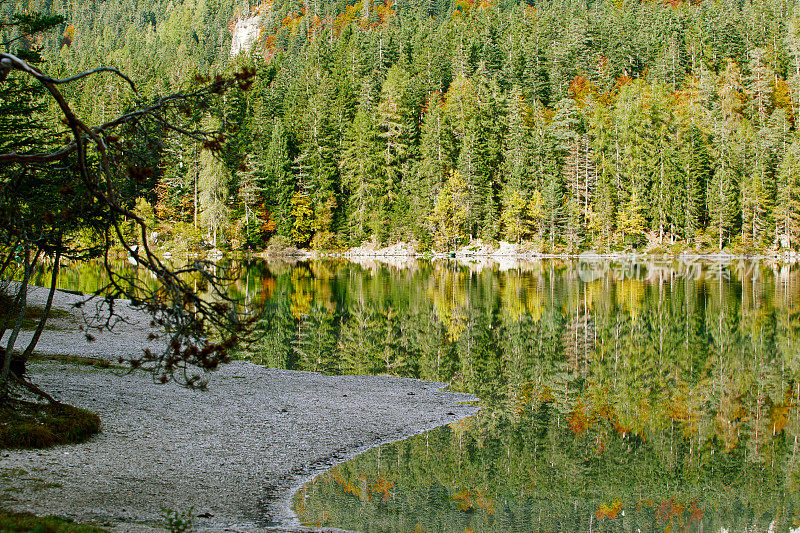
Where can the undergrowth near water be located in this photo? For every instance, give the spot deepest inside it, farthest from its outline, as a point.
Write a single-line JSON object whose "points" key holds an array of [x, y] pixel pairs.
{"points": [[176, 521], [35, 425]]}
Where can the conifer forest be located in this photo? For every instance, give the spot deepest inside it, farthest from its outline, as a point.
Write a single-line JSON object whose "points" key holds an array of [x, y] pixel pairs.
{"points": [[566, 125]]}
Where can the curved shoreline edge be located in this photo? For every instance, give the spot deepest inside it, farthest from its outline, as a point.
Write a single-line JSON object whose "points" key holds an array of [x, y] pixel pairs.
{"points": [[464, 411], [236, 453]]}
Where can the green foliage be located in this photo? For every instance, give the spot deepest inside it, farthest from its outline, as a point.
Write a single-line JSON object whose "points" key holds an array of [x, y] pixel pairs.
{"points": [[787, 215], [279, 183], [31, 23], [513, 217], [178, 521], [451, 214], [363, 175], [697, 167], [367, 109], [214, 188], [303, 215]]}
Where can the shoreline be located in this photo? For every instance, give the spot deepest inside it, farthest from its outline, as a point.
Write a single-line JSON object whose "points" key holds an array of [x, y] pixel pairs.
{"points": [[477, 249], [237, 453], [502, 252]]}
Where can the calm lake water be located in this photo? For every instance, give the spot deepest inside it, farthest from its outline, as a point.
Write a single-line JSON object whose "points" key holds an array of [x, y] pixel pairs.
{"points": [[616, 396]]}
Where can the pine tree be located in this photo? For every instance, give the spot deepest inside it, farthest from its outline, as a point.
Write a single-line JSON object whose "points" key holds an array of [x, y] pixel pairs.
{"points": [[470, 171], [396, 131], [491, 131], [437, 152], [759, 182], [318, 177], [279, 182], [722, 203], [250, 223], [604, 207], [362, 175], [787, 216], [697, 167], [723, 192], [213, 185], [553, 206], [517, 157], [793, 42], [567, 132]]}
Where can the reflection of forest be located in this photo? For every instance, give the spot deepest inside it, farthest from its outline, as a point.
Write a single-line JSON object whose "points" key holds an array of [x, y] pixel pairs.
{"points": [[664, 392], [671, 394]]}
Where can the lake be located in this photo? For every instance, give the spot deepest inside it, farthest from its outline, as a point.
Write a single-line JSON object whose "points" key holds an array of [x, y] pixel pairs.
{"points": [[624, 395]]}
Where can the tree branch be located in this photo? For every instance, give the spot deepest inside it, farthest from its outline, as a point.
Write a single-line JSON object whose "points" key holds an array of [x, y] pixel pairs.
{"points": [[9, 61], [14, 157]]}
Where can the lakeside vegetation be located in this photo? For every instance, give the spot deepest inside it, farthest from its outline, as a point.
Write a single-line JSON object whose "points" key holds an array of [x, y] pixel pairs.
{"points": [[28, 424], [25, 424]]}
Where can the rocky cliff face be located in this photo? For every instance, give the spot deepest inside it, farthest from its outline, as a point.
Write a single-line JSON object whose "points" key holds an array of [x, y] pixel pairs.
{"points": [[245, 34]]}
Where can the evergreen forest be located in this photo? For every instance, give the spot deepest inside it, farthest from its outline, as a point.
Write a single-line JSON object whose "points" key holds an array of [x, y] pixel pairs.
{"points": [[563, 125]]}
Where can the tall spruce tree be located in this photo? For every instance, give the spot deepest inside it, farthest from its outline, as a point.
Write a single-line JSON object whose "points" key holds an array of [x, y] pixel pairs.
{"points": [[361, 166]]}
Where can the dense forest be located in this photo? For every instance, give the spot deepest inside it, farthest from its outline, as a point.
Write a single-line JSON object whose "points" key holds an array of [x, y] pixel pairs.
{"points": [[565, 125]]}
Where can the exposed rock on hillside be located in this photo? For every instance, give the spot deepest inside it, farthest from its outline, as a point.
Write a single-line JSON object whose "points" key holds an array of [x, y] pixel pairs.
{"points": [[245, 34]]}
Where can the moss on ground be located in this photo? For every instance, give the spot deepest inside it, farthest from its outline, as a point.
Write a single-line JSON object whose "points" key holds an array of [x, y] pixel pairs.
{"points": [[13, 522], [34, 425]]}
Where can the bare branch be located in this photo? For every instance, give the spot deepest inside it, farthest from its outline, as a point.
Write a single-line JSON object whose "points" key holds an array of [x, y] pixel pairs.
{"points": [[9, 61], [14, 157]]}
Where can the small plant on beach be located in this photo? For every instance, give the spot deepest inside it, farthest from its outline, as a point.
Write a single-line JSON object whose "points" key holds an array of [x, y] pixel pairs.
{"points": [[176, 521]]}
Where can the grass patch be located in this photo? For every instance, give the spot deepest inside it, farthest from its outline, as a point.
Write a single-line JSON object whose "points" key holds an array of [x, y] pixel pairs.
{"points": [[34, 425], [13, 522], [44, 485]]}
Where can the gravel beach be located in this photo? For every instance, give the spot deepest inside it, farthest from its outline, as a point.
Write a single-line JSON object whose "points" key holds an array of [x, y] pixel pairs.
{"points": [[235, 453]]}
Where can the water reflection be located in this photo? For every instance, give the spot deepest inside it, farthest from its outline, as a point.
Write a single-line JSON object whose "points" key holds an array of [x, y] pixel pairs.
{"points": [[618, 395]]}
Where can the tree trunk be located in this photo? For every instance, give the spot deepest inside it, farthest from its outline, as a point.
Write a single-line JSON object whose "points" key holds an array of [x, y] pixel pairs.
{"points": [[40, 327], [21, 303]]}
